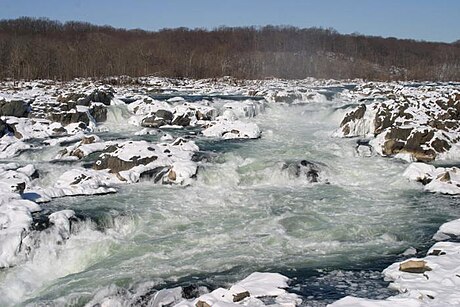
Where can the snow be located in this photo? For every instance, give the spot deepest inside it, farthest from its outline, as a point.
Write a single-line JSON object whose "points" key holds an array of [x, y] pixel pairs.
{"points": [[74, 182], [15, 213], [226, 129], [437, 179], [448, 230]]}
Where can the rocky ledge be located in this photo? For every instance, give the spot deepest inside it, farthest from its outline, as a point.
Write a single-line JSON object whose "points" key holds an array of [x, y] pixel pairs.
{"points": [[414, 123]]}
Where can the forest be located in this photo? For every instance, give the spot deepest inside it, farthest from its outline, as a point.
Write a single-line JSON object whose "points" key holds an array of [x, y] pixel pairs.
{"points": [[32, 48]]}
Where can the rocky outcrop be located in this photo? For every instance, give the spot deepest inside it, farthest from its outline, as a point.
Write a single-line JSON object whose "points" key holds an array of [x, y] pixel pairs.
{"points": [[16, 108], [418, 124], [129, 161]]}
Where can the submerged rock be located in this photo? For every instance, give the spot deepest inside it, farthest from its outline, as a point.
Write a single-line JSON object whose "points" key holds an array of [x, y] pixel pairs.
{"points": [[302, 168]]}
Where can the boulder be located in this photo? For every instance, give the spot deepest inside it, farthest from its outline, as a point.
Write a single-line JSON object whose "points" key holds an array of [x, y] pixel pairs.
{"points": [[5, 128], [164, 114], [414, 266], [98, 112], [154, 122], [181, 120], [16, 108], [354, 115], [104, 96], [66, 118], [302, 168]]}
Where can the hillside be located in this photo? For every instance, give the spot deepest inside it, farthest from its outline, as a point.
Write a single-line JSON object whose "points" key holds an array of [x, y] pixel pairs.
{"points": [[41, 48]]}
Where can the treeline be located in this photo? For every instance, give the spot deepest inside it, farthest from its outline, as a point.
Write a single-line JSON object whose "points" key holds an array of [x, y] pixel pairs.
{"points": [[40, 48]]}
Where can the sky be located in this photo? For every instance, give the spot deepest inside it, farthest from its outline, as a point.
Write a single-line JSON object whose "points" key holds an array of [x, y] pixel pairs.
{"points": [[430, 20]]}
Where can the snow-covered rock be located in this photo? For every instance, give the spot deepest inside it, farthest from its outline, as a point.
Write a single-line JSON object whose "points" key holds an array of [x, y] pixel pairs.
{"points": [[435, 179], [75, 182], [228, 129], [168, 162], [420, 122]]}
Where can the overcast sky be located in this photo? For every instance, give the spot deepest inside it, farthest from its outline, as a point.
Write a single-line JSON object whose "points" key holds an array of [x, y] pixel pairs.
{"points": [[431, 20]]}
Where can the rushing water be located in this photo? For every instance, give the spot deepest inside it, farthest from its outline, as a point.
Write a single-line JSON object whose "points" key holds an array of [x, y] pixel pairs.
{"points": [[242, 214]]}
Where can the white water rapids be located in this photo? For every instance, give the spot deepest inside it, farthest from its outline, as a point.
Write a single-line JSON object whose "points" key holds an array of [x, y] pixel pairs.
{"points": [[242, 214]]}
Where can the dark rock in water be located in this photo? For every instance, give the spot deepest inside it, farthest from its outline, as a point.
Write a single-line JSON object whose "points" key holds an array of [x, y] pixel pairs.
{"points": [[104, 96], [154, 122], [5, 128], [17, 108], [35, 175], [409, 140], [115, 164], [181, 120], [203, 156], [156, 174], [302, 168], [81, 99], [190, 292], [59, 131], [241, 296], [166, 115], [66, 118], [353, 115], [210, 115], [98, 112]]}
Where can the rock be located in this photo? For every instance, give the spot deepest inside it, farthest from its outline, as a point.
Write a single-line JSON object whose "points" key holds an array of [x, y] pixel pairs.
{"points": [[240, 296], [132, 160], [98, 112], [115, 164], [104, 96], [72, 99], [16, 108], [5, 128], [444, 177], [414, 266], [154, 122], [164, 114], [202, 304], [303, 168], [66, 118], [228, 129], [354, 115], [156, 173], [181, 120]]}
